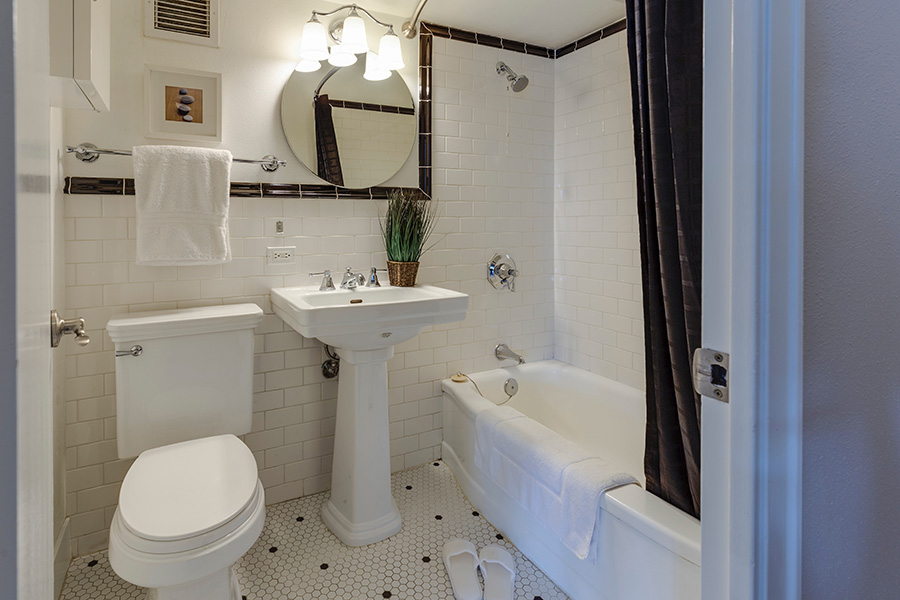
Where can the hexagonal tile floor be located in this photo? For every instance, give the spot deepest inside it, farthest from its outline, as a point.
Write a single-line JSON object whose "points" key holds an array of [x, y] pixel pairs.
{"points": [[298, 557]]}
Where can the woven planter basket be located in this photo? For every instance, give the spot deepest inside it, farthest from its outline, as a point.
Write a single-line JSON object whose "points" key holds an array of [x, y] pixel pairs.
{"points": [[402, 274]]}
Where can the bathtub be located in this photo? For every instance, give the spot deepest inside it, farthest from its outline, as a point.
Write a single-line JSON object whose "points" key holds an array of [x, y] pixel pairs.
{"points": [[642, 546]]}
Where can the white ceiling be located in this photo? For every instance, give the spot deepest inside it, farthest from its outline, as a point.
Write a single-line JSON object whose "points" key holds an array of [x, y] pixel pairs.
{"points": [[541, 22]]}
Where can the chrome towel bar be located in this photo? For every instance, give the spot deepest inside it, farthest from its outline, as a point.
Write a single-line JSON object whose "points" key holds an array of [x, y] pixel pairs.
{"points": [[90, 153]]}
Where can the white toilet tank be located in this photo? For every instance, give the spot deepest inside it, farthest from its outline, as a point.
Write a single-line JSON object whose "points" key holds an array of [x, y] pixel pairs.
{"points": [[192, 379]]}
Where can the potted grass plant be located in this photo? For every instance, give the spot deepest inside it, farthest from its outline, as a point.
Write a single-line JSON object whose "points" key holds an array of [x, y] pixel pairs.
{"points": [[408, 222]]}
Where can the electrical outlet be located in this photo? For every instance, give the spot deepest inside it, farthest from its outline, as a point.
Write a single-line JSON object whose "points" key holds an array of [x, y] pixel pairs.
{"points": [[281, 255]]}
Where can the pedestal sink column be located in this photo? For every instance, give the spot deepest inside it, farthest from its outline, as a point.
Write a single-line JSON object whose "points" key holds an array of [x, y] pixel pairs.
{"points": [[361, 509]]}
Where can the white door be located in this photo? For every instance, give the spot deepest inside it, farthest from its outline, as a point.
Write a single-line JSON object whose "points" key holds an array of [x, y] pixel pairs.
{"points": [[752, 296], [34, 398]]}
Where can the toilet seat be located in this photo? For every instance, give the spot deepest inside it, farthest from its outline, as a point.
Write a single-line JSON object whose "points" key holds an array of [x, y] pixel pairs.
{"points": [[187, 495]]}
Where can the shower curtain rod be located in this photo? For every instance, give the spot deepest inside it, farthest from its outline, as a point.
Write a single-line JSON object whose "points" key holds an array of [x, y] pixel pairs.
{"points": [[410, 28], [90, 153]]}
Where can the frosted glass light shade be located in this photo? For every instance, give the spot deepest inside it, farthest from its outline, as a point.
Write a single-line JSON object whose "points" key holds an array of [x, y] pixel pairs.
{"points": [[307, 66], [339, 58], [374, 70], [389, 52], [313, 43], [353, 36]]}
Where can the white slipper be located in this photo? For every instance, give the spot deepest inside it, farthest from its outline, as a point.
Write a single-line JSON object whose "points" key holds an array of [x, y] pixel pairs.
{"points": [[461, 560], [499, 571]]}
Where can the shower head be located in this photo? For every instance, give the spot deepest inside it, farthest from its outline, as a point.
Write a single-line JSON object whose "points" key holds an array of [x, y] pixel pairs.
{"points": [[517, 82]]}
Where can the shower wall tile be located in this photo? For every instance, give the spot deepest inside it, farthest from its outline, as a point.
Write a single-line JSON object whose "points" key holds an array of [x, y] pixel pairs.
{"points": [[598, 308], [493, 180]]}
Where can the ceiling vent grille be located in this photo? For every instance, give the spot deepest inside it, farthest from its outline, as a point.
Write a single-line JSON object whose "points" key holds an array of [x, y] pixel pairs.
{"points": [[192, 21]]}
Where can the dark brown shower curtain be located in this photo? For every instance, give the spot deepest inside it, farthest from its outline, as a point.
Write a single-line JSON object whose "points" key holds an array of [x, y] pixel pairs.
{"points": [[328, 158], [665, 50]]}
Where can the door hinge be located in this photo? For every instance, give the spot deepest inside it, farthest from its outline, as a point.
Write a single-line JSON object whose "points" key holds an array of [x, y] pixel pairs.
{"points": [[711, 373]]}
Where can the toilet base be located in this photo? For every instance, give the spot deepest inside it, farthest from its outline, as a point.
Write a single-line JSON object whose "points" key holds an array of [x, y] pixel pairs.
{"points": [[221, 585]]}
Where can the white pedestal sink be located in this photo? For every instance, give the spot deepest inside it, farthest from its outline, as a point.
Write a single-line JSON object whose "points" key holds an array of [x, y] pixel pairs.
{"points": [[364, 325]]}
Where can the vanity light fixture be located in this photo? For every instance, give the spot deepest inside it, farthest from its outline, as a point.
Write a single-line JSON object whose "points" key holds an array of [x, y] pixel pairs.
{"points": [[307, 66], [341, 59], [375, 71], [350, 37]]}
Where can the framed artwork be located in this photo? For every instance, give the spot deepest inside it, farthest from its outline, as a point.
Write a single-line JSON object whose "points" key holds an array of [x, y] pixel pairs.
{"points": [[183, 105]]}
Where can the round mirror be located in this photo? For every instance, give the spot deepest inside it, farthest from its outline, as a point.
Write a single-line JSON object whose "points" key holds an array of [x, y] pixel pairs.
{"points": [[347, 130]]}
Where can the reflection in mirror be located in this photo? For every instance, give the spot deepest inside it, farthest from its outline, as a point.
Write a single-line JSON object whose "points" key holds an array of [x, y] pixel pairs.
{"points": [[349, 131]]}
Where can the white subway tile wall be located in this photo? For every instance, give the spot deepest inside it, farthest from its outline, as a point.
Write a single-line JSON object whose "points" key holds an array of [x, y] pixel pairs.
{"points": [[373, 145], [494, 180], [598, 306]]}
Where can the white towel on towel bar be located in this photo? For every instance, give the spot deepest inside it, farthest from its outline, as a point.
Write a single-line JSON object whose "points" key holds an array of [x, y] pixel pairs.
{"points": [[549, 476], [181, 197]]}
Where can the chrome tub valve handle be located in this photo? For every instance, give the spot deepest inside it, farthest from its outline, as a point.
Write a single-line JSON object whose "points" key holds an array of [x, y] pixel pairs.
{"points": [[502, 272]]}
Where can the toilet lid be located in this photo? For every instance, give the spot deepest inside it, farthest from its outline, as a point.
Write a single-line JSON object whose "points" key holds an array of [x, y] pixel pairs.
{"points": [[187, 489]]}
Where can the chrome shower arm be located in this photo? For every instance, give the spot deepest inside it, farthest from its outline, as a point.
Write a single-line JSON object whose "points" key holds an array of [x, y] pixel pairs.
{"points": [[411, 27]]}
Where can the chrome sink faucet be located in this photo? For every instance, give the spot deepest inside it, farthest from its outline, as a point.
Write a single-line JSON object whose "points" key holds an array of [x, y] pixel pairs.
{"points": [[352, 280], [327, 283], [502, 351]]}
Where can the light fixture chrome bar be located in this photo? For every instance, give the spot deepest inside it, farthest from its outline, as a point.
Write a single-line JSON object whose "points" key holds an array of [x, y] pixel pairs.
{"points": [[357, 7], [90, 153], [411, 27]]}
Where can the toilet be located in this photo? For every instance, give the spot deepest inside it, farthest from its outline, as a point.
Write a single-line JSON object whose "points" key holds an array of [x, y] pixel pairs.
{"points": [[191, 504]]}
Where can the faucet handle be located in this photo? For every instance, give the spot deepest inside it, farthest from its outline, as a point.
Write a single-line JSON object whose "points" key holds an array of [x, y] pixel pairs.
{"points": [[373, 277], [327, 283]]}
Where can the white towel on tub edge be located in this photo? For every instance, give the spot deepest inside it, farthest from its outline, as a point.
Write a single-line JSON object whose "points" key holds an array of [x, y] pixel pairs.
{"points": [[551, 477]]}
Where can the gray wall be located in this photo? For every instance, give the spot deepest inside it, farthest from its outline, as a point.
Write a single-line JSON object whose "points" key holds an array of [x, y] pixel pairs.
{"points": [[7, 306], [851, 421]]}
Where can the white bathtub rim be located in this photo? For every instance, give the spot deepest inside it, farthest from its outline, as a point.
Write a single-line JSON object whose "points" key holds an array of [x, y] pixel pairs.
{"points": [[681, 533], [648, 514]]}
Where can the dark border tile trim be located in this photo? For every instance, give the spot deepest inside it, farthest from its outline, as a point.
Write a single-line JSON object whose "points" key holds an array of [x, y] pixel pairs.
{"points": [[245, 190], [426, 52], [281, 190], [109, 186], [435, 29], [591, 38], [484, 39], [363, 194], [567, 49], [403, 110], [514, 46], [318, 190], [489, 40]]}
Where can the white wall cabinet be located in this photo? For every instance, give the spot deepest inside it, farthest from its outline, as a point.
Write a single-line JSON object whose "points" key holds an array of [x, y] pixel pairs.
{"points": [[80, 54]]}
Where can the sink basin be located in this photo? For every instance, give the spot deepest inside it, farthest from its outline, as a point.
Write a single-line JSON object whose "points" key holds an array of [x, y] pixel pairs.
{"points": [[367, 318]]}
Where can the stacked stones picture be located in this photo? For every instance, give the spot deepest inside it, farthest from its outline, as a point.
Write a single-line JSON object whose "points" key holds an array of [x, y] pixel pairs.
{"points": [[184, 104]]}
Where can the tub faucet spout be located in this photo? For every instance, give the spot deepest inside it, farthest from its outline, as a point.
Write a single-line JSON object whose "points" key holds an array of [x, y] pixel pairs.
{"points": [[503, 351]]}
